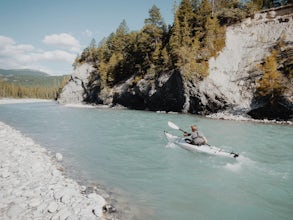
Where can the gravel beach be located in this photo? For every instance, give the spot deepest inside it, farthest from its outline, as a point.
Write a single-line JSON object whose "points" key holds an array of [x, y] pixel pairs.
{"points": [[32, 186]]}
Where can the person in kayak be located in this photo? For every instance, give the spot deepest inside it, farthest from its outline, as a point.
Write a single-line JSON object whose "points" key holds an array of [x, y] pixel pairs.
{"points": [[196, 138]]}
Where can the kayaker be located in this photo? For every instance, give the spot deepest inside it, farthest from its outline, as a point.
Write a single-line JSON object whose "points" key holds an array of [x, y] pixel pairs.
{"points": [[196, 138]]}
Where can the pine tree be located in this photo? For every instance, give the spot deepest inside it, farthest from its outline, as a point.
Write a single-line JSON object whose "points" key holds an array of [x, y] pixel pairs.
{"points": [[185, 12], [271, 83], [214, 37], [155, 17], [165, 58], [185, 33], [203, 13], [119, 39], [93, 43], [154, 26], [175, 41]]}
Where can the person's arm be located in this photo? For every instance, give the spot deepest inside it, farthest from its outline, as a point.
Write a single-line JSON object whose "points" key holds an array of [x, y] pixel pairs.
{"points": [[186, 134]]}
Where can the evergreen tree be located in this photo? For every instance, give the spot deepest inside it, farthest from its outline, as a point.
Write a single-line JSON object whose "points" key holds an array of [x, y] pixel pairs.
{"points": [[122, 29], [185, 33], [155, 17], [214, 37], [154, 24], [152, 35], [93, 43], [204, 12], [185, 12], [119, 39], [175, 41], [271, 84]]}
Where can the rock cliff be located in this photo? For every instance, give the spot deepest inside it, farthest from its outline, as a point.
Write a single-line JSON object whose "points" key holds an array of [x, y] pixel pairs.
{"points": [[232, 80], [230, 85], [75, 91]]}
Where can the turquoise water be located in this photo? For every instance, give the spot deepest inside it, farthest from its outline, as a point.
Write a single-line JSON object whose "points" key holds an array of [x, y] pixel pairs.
{"points": [[127, 151]]}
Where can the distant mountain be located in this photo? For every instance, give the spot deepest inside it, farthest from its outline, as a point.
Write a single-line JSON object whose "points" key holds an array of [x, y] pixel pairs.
{"points": [[23, 72], [28, 77]]}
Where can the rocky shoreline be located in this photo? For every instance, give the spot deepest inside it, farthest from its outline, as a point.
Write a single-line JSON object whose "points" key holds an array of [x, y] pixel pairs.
{"points": [[244, 117], [33, 186], [224, 115]]}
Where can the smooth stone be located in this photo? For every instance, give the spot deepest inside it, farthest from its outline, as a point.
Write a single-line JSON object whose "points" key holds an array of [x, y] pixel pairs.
{"points": [[14, 211], [83, 188], [65, 199], [59, 156], [35, 202], [53, 206], [62, 214]]}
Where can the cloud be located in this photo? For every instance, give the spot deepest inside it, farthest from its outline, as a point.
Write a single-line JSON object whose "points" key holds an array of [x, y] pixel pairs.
{"points": [[18, 56], [9, 47], [5, 41], [87, 33], [63, 40]]}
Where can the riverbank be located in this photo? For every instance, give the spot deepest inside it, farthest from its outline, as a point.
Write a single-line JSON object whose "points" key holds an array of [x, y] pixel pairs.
{"points": [[32, 185], [234, 116], [244, 117], [24, 100], [225, 115]]}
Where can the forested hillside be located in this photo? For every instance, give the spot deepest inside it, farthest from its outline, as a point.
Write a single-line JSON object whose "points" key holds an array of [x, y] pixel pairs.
{"points": [[197, 34], [25, 83], [220, 55]]}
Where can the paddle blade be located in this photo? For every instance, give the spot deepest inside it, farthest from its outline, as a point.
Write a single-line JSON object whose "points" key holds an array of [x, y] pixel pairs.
{"points": [[172, 125]]}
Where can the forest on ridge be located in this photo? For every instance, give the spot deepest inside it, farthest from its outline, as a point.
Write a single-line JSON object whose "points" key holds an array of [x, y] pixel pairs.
{"points": [[197, 34]]}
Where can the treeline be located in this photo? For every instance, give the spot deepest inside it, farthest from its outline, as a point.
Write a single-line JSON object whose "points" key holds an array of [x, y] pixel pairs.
{"points": [[19, 91], [197, 34]]}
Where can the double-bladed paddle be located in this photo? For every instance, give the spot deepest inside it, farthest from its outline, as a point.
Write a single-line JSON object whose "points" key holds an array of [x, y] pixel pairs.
{"points": [[172, 125]]}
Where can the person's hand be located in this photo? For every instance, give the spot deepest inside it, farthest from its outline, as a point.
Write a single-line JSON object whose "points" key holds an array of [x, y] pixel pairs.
{"points": [[185, 134]]}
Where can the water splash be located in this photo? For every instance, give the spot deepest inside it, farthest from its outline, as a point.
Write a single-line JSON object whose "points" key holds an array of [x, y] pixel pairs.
{"points": [[171, 145], [241, 162]]}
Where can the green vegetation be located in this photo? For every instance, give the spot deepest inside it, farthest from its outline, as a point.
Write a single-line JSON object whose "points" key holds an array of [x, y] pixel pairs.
{"points": [[197, 34], [30, 84], [271, 84], [29, 78]]}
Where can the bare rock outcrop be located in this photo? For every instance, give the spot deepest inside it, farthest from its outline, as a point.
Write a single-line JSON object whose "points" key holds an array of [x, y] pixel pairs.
{"points": [[75, 91]]}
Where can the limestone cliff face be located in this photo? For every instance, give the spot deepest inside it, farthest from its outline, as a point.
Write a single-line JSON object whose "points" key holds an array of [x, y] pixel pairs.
{"points": [[230, 85], [75, 90], [232, 75]]}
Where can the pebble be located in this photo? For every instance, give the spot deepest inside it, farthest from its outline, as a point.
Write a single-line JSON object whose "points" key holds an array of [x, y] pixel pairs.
{"points": [[5, 174], [53, 206], [58, 194], [62, 214], [35, 202], [59, 157], [65, 199], [83, 188], [14, 211]]}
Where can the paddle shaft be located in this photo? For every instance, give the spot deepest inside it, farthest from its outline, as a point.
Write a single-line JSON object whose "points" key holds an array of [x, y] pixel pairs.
{"points": [[182, 130]]}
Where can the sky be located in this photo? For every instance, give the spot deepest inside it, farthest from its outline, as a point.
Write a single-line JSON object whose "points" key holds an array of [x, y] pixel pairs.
{"points": [[47, 35]]}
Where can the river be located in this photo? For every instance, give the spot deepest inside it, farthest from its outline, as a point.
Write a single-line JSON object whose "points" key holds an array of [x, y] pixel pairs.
{"points": [[126, 151]]}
